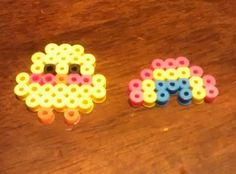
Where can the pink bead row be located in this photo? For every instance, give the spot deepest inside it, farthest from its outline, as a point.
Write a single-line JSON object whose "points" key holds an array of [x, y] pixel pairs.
{"points": [[51, 79]]}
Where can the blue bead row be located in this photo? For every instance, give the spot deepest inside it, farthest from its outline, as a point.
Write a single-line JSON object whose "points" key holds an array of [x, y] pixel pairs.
{"points": [[171, 87]]}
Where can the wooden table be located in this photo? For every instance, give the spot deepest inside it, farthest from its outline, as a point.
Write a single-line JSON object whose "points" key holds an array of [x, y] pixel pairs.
{"points": [[125, 36]]}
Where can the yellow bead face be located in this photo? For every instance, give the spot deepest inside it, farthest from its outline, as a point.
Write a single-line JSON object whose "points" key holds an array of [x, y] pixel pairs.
{"points": [[46, 101], [88, 59], [149, 98], [159, 74], [37, 68], [199, 93], [23, 78], [99, 80], [148, 85], [183, 72], [195, 82], [21, 90], [171, 74], [33, 102], [79, 49], [38, 57], [87, 69], [98, 94], [62, 79], [51, 48], [62, 68]]}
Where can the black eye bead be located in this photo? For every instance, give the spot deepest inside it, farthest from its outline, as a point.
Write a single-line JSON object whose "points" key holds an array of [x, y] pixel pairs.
{"points": [[74, 69], [50, 68]]}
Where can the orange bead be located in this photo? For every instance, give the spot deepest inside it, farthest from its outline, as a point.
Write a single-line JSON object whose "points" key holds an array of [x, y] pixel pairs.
{"points": [[71, 116], [46, 115]]}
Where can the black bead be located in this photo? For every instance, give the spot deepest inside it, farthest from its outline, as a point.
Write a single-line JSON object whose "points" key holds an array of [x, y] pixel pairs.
{"points": [[50, 68], [74, 69]]}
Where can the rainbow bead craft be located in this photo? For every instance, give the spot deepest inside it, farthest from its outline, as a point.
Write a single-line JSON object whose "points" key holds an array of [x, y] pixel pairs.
{"points": [[62, 79], [172, 77]]}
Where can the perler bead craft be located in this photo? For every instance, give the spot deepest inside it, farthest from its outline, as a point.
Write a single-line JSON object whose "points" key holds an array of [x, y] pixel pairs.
{"points": [[62, 79], [172, 77]]}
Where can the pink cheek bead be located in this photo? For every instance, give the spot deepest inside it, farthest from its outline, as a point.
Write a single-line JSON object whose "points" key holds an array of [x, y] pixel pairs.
{"points": [[182, 62], [136, 98], [135, 84], [157, 64], [170, 63], [86, 80], [36, 78], [49, 78], [209, 80], [146, 74], [74, 79], [211, 93], [196, 71]]}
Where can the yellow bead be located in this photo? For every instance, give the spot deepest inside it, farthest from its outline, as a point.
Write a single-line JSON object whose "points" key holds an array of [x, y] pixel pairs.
{"points": [[72, 102], [76, 59], [23, 78], [73, 89], [98, 94], [195, 82], [159, 74], [183, 72], [47, 89], [87, 69], [99, 80], [38, 57], [21, 90], [148, 85], [46, 101], [33, 102], [34, 88], [65, 47], [37, 68], [86, 90], [85, 105], [59, 102], [89, 59], [51, 48], [199, 93], [50, 59], [171, 74], [79, 49], [60, 88], [64, 58], [62, 68], [149, 98]]}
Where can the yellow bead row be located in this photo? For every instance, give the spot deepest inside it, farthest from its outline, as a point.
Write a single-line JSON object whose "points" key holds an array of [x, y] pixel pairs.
{"points": [[171, 74]]}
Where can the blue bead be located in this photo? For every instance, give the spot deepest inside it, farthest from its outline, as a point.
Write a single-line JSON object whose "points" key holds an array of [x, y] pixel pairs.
{"points": [[163, 97], [185, 96], [161, 85], [172, 86], [183, 83]]}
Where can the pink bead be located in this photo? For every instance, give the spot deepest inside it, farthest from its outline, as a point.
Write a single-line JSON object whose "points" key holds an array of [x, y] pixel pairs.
{"points": [[49, 78], [74, 79], [146, 74], [211, 93], [170, 63], [136, 98], [182, 61], [135, 84], [157, 64], [86, 80], [36, 78], [209, 80], [196, 71]]}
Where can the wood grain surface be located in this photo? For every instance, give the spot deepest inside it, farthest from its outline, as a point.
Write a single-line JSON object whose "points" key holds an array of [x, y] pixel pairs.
{"points": [[124, 35]]}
